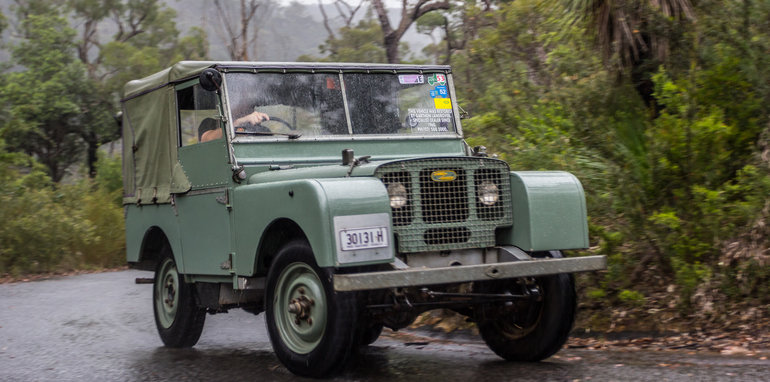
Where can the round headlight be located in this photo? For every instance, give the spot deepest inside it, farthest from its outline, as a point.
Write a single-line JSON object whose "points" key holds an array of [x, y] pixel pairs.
{"points": [[489, 194], [398, 196]]}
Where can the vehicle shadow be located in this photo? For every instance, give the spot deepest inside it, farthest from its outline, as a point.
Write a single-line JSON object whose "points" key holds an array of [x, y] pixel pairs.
{"points": [[425, 364], [208, 364], [374, 363]]}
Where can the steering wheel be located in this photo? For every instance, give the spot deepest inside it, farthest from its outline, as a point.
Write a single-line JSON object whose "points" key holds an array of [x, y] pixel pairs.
{"points": [[259, 127]]}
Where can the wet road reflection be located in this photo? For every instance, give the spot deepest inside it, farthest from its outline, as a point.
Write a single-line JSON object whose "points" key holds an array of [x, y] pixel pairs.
{"points": [[100, 327]]}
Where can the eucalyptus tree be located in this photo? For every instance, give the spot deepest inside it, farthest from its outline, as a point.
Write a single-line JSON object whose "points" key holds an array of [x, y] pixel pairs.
{"points": [[50, 103], [459, 25], [144, 39], [239, 26], [358, 43], [88, 50], [410, 13], [345, 10]]}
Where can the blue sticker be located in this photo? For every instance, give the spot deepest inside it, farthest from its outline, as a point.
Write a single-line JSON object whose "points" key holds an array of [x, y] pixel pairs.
{"points": [[442, 92], [433, 94]]}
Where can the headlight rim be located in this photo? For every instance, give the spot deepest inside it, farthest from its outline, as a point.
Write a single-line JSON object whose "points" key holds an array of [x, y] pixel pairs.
{"points": [[488, 193], [398, 195]]}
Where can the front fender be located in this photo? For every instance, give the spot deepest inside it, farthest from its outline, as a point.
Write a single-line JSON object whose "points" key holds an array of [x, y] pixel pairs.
{"points": [[549, 212], [310, 203]]}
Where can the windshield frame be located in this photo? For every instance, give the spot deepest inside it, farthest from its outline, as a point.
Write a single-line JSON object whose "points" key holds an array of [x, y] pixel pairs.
{"points": [[341, 70]]}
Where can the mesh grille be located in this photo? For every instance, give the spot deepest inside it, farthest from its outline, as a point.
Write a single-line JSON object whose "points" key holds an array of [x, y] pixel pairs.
{"points": [[444, 209], [401, 216], [483, 177], [448, 235], [444, 201]]}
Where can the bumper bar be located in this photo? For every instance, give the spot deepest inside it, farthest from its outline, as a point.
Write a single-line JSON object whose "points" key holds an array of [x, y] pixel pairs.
{"points": [[466, 273]]}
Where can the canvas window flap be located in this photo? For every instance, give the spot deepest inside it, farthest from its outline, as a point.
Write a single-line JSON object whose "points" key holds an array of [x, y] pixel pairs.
{"points": [[151, 120]]}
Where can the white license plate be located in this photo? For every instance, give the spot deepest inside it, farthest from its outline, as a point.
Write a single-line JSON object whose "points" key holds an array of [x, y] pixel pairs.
{"points": [[364, 238]]}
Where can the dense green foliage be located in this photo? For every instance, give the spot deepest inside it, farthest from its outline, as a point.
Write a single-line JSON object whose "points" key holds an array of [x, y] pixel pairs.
{"points": [[60, 53], [60, 203], [677, 174], [50, 227]]}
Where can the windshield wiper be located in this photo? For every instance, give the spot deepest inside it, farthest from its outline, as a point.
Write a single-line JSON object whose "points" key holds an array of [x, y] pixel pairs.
{"points": [[289, 135]]}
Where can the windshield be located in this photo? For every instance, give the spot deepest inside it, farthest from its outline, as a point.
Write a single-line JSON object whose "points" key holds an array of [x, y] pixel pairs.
{"points": [[319, 104]]}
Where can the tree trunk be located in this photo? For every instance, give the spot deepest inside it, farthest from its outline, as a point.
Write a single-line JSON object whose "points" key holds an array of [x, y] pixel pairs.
{"points": [[391, 49], [392, 37], [91, 154]]}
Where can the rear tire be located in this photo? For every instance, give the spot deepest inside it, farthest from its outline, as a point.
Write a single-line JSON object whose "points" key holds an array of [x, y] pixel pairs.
{"points": [[311, 326], [530, 330], [178, 318]]}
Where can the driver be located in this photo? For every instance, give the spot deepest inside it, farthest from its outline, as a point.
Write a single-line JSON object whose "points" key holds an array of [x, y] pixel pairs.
{"points": [[208, 131], [253, 118]]}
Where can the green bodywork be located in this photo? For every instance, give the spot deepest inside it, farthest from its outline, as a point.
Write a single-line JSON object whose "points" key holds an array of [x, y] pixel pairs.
{"points": [[222, 227], [549, 212], [311, 204]]}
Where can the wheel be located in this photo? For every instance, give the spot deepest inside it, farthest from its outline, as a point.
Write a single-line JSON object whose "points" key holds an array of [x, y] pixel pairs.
{"points": [[367, 333], [531, 329], [177, 316], [310, 326]]}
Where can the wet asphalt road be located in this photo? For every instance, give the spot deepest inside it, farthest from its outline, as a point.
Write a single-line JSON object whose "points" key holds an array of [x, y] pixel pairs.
{"points": [[99, 327]]}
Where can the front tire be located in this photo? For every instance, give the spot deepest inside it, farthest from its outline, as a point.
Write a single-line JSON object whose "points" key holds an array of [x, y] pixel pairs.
{"points": [[367, 333], [530, 330], [178, 318], [311, 326]]}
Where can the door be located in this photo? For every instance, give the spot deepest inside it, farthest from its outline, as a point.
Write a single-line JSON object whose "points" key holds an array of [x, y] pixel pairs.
{"points": [[204, 212]]}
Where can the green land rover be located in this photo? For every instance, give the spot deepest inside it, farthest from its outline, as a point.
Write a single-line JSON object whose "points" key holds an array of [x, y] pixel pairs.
{"points": [[339, 199]]}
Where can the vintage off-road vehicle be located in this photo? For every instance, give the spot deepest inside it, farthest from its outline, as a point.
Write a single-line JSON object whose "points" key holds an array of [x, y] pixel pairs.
{"points": [[339, 199]]}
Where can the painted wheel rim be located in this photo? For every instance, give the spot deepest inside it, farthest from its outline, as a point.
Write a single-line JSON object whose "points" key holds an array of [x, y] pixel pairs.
{"points": [[300, 308], [167, 294], [523, 321]]}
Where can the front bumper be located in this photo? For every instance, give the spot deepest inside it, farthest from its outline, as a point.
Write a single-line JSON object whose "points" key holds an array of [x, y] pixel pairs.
{"points": [[466, 273]]}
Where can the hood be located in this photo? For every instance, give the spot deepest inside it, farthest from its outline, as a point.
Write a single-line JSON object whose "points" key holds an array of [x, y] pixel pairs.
{"points": [[316, 172]]}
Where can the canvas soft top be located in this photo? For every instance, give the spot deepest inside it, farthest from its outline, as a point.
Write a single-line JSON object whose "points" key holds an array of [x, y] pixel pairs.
{"points": [[180, 71]]}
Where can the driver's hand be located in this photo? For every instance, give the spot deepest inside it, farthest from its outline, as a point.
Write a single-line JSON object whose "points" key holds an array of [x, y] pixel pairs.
{"points": [[252, 119]]}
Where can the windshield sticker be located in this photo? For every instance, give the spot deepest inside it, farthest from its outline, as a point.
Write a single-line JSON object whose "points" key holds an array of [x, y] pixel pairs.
{"points": [[443, 103], [436, 79], [411, 79], [439, 92], [429, 120], [332, 83]]}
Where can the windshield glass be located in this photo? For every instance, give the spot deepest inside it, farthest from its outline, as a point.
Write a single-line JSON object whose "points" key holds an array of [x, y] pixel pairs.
{"points": [[319, 104]]}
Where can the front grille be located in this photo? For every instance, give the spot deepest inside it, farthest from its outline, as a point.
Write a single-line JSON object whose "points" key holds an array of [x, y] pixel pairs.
{"points": [[443, 209], [449, 235], [446, 201], [495, 211], [401, 216]]}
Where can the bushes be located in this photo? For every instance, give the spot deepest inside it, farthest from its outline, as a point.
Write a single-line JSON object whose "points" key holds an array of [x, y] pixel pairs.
{"points": [[675, 163], [55, 228]]}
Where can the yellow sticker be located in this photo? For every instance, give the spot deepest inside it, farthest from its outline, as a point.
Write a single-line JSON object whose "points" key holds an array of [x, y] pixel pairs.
{"points": [[443, 103]]}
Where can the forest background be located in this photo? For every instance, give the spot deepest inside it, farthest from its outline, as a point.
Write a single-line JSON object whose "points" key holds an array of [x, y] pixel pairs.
{"points": [[660, 107]]}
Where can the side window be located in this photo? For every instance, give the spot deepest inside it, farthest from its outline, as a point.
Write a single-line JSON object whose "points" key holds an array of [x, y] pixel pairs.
{"points": [[198, 116]]}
